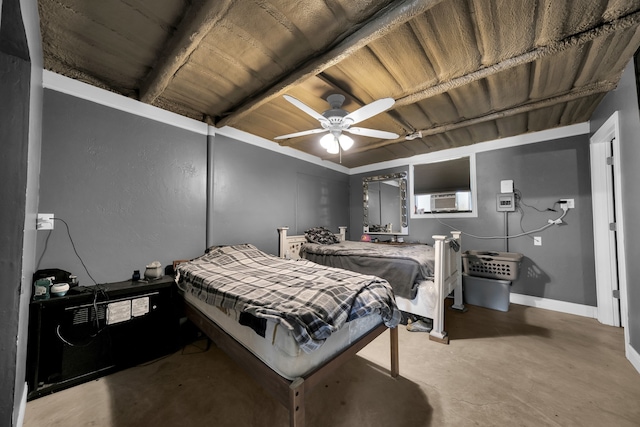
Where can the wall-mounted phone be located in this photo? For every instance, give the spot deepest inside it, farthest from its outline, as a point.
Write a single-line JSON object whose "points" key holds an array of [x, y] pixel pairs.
{"points": [[506, 202]]}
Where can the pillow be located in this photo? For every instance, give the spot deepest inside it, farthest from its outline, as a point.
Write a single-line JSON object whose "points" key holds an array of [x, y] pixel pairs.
{"points": [[321, 236]]}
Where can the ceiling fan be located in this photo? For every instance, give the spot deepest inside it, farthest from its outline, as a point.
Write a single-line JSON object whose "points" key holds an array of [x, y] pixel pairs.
{"points": [[335, 120]]}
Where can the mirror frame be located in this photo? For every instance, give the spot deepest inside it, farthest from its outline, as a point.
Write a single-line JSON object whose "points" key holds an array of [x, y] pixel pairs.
{"points": [[402, 188]]}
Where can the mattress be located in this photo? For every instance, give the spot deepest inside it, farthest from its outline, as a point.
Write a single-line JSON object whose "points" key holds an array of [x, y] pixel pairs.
{"points": [[278, 349], [311, 300]]}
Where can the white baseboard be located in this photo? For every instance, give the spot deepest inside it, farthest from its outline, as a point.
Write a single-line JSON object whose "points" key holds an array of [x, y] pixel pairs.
{"points": [[555, 305], [633, 356], [22, 408]]}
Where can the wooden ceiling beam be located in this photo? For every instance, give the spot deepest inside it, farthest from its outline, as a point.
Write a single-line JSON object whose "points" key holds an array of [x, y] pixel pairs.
{"points": [[199, 19], [592, 89], [539, 53], [380, 25]]}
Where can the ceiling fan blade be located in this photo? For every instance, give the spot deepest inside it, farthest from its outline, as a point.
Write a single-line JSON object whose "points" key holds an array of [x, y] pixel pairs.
{"points": [[304, 107], [303, 133], [373, 133], [369, 110]]}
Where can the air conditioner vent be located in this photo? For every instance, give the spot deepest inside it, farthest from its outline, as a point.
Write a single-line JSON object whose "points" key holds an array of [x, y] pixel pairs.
{"points": [[80, 315], [86, 314]]}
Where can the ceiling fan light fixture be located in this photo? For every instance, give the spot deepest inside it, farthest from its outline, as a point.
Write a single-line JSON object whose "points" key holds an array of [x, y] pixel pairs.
{"points": [[333, 148], [326, 141], [346, 142]]}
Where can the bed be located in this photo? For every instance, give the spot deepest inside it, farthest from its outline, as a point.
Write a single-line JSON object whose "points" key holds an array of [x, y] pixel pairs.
{"points": [[289, 323], [422, 276]]}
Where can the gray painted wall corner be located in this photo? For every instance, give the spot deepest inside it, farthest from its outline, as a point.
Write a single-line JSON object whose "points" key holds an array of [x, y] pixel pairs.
{"points": [[624, 99]]}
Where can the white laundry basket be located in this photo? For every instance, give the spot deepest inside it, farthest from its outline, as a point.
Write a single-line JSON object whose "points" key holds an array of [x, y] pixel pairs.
{"points": [[493, 265]]}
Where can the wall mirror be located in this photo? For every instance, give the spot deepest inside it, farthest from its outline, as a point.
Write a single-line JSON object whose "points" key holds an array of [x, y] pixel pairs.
{"points": [[385, 204], [445, 188]]}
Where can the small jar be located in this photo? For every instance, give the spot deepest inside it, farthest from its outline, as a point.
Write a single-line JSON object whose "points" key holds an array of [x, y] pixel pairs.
{"points": [[153, 271]]}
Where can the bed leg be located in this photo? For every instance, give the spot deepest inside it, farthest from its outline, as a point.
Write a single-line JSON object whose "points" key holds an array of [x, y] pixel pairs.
{"points": [[395, 362], [458, 303], [437, 333], [296, 403], [442, 338]]}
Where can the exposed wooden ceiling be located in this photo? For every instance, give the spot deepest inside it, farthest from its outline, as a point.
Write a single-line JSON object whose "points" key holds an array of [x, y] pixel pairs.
{"points": [[460, 71]]}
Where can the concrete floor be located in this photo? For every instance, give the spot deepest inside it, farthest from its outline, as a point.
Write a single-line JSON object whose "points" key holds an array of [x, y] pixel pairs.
{"points": [[526, 367]]}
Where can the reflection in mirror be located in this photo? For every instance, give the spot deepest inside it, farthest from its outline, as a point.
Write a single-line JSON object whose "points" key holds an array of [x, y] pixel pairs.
{"points": [[444, 187], [385, 204]]}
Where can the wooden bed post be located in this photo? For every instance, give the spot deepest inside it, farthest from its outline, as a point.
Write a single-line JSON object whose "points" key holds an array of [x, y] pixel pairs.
{"points": [[296, 403], [343, 233], [437, 332], [283, 241]]}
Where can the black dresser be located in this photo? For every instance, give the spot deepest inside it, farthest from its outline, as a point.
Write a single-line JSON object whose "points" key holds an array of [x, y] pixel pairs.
{"points": [[93, 331]]}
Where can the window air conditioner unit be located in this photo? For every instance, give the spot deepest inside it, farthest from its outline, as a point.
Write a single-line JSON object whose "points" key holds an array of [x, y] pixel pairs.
{"points": [[444, 202]]}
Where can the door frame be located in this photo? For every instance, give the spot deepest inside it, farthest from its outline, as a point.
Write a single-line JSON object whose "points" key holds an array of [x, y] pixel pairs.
{"points": [[604, 247]]}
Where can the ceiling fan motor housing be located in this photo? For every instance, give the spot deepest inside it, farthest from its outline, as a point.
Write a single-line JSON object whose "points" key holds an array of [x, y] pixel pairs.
{"points": [[335, 114]]}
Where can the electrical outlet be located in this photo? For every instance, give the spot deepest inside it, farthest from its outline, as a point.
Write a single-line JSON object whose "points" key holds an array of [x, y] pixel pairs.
{"points": [[537, 240], [44, 221], [569, 202]]}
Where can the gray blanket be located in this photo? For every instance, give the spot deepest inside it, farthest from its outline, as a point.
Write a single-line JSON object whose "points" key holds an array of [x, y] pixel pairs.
{"points": [[403, 266]]}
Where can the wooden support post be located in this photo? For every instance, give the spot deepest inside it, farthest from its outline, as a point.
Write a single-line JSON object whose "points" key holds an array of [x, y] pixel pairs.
{"points": [[296, 403], [395, 362]]}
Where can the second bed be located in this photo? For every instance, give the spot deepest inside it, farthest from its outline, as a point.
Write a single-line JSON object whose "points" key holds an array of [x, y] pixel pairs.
{"points": [[421, 276]]}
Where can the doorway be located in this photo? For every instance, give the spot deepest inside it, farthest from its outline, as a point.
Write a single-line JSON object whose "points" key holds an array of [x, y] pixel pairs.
{"points": [[608, 224]]}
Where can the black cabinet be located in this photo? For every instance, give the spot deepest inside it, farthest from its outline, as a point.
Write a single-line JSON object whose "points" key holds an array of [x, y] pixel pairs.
{"points": [[93, 331]]}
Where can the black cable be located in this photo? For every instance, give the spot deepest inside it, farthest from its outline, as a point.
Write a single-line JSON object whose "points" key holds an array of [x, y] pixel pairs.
{"points": [[518, 197], [519, 201], [74, 249]]}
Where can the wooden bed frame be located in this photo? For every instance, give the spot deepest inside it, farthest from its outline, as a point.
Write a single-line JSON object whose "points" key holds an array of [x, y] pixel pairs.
{"points": [[290, 393], [447, 278]]}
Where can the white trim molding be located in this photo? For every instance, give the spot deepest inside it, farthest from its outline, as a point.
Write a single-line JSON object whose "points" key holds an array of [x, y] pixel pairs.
{"points": [[91, 93], [273, 146], [496, 144], [633, 356], [22, 407], [116, 101], [555, 305], [60, 83]]}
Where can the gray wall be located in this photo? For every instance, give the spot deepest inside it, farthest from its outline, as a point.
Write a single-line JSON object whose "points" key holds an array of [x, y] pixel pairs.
{"points": [[255, 191], [132, 190], [20, 115], [563, 267], [14, 125], [625, 100]]}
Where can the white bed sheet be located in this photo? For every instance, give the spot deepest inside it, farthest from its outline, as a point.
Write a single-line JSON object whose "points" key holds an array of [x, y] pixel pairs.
{"points": [[278, 349], [424, 304]]}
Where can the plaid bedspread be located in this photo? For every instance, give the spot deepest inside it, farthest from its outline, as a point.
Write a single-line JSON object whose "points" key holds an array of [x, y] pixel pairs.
{"points": [[311, 300]]}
